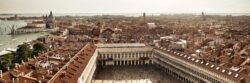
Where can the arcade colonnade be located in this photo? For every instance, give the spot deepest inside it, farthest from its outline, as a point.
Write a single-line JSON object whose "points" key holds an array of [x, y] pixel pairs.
{"points": [[125, 58], [139, 54]]}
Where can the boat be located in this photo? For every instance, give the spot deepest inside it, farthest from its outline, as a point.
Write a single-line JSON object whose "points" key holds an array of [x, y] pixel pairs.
{"points": [[10, 49], [14, 39]]}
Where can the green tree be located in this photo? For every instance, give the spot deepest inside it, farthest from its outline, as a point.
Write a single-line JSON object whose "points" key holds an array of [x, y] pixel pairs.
{"points": [[23, 53], [38, 47], [6, 61]]}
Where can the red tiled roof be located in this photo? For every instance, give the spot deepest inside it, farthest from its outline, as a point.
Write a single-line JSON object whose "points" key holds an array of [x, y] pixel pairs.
{"points": [[74, 68], [208, 67]]}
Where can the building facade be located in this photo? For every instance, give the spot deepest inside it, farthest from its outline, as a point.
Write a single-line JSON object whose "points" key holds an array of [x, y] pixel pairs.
{"points": [[183, 67]]}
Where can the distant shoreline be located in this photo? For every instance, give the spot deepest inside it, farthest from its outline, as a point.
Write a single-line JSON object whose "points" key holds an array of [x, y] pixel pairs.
{"points": [[115, 14]]}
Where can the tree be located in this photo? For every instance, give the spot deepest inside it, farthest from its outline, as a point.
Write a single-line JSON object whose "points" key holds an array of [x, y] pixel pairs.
{"points": [[38, 47], [23, 53], [6, 62]]}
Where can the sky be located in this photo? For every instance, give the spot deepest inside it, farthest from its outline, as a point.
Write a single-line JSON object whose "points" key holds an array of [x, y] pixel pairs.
{"points": [[124, 6]]}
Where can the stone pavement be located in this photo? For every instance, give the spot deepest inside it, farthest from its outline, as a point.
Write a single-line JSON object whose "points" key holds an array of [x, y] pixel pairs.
{"points": [[132, 74]]}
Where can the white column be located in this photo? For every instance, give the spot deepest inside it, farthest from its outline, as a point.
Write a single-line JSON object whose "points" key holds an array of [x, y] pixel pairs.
{"points": [[125, 63]]}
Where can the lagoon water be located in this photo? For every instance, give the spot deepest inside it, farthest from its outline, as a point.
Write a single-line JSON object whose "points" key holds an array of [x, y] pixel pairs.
{"points": [[12, 41]]}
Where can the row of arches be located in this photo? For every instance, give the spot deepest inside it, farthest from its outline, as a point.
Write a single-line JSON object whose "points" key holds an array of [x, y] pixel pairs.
{"points": [[125, 55], [126, 62], [172, 72], [198, 75]]}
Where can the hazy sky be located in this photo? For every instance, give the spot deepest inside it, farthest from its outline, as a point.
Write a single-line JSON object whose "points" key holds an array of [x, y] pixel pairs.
{"points": [[124, 6]]}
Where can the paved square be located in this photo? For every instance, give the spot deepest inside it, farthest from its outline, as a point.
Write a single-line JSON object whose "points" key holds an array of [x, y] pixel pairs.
{"points": [[132, 74]]}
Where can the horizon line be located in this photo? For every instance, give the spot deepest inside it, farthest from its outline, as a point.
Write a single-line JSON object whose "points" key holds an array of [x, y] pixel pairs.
{"points": [[121, 13]]}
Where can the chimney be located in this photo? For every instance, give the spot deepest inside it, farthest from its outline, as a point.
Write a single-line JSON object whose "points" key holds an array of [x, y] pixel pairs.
{"points": [[16, 65], [19, 66], [13, 80], [35, 58], [23, 62], [48, 72], [1, 74]]}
